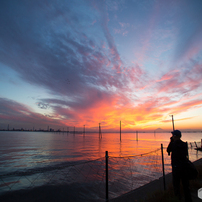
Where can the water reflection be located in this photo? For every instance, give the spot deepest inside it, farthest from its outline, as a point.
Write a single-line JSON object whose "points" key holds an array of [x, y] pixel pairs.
{"points": [[120, 148], [100, 146], [20, 149]]}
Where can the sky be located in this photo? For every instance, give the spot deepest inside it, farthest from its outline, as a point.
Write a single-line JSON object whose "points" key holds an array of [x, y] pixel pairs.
{"points": [[85, 62]]}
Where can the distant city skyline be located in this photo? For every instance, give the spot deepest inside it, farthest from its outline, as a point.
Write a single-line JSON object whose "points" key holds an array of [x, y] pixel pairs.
{"points": [[76, 63], [82, 130]]}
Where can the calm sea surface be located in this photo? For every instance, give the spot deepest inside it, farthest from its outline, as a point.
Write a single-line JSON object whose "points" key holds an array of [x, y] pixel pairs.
{"points": [[30, 150]]}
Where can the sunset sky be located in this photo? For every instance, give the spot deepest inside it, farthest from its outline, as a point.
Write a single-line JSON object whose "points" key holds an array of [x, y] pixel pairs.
{"points": [[85, 62]]}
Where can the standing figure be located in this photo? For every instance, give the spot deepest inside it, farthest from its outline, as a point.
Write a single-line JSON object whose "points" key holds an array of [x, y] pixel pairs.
{"points": [[179, 155]]}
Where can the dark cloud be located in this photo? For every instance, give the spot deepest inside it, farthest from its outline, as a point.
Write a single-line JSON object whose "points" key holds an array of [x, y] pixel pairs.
{"points": [[42, 105], [19, 115], [47, 44]]}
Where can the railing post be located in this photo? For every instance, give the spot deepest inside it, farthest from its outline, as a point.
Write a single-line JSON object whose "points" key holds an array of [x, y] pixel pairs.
{"points": [[164, 182], [106, 170]]}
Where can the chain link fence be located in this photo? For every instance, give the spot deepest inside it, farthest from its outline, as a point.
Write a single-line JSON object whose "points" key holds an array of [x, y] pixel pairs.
{"points": [[86, 181]]}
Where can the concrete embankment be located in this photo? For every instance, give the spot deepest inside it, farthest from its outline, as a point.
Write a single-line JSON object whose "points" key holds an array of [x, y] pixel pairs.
{"points": [[141, 193]]}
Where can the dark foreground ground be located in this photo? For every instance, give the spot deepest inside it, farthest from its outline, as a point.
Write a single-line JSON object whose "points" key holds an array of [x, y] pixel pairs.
{"points": [[63, 193], [153, 191]]}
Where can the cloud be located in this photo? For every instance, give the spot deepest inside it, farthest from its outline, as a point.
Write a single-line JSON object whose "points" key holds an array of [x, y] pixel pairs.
{"points": [[71, 53], [182, 80], [48, 55], [42, 105], [187, 106], [187, 118], [20, 115]]}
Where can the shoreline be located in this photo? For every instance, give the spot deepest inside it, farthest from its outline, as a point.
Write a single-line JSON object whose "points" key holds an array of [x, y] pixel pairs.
{"points": [[143, 192], [70, 193]]}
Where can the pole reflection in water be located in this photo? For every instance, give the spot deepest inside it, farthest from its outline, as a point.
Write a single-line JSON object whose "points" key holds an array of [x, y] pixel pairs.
{"points": [[36, 154]]}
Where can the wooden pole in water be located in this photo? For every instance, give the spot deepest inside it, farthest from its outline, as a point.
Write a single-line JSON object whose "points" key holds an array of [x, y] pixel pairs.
{"points": [[196, 145], [173, 123], [136, 135], [84, 130], [99, 130], [100, 133], [120, 130], [74, 130]]}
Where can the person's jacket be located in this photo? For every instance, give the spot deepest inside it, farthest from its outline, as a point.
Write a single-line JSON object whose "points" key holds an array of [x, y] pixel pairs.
{"points": [[179, 152]]}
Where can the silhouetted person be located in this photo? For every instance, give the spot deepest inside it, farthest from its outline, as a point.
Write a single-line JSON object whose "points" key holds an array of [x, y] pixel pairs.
{"points": [[179, 153]]}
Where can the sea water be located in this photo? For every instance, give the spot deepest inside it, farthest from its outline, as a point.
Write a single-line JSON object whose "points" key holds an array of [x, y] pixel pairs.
{"points": [[63, 157]]}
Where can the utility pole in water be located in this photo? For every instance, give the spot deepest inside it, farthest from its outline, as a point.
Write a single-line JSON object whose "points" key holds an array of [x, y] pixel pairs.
{"points": [[173, 122], [100, 133]]}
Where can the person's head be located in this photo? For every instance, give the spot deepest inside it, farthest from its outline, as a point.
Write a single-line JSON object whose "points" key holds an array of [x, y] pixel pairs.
{"points": [[176, 134]]}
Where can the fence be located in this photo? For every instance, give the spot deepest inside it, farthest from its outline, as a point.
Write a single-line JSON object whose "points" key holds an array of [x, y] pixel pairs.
{"points": [[97, 180]]}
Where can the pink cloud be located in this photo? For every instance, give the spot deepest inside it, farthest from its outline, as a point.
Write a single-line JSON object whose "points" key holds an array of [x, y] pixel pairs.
{"points": [[18, 115], [169, 75], [187, 106]]}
